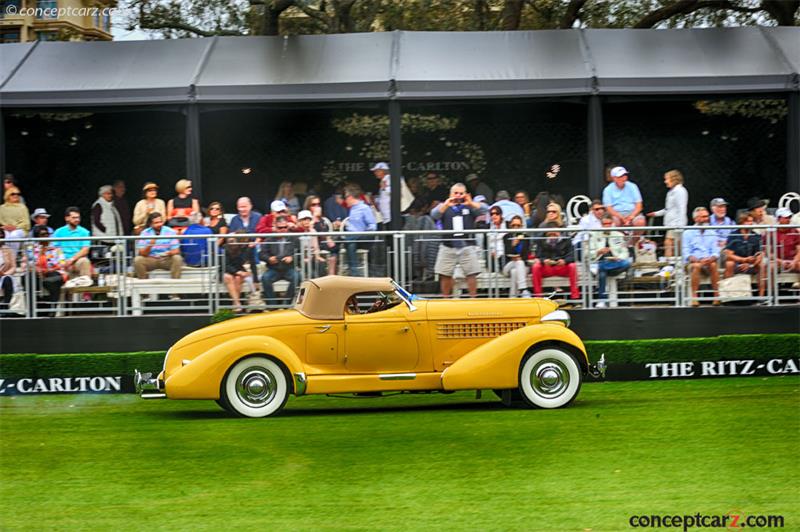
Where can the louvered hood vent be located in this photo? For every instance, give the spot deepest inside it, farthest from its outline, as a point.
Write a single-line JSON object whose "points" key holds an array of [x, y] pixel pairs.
{"points": [[477, 330]]}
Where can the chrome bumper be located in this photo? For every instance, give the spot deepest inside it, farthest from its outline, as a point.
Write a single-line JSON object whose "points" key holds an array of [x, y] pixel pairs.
{"points": [[147, 386], [598, 371]]}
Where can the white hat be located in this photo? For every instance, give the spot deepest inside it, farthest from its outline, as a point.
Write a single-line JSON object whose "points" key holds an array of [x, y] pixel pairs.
{"points": [[277, 206], [480, 198], [783, 212], [619, 171], [302, 215], [379, 166], [39, 212], [470, 177]]}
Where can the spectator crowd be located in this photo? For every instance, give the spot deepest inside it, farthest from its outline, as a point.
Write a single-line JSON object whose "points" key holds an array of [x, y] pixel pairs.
{"points": [[609, 235]]}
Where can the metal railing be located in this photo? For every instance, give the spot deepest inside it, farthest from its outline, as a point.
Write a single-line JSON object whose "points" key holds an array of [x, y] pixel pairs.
{"points": [[407, 256]]}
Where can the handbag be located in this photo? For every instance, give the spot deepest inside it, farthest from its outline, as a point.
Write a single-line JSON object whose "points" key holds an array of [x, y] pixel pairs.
{"points": [[18, 304], [734, 288]]}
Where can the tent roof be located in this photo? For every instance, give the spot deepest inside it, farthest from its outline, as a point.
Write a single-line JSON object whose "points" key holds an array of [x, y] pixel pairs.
{"points": [[492, 64], [306, 67], [714, 60], [102, 73], [403, 65]]}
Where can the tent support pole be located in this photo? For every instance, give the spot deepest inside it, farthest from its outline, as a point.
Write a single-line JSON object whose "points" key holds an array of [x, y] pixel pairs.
{"points": [[193, 163], [395, 161], [594, 120], [793, 144]]}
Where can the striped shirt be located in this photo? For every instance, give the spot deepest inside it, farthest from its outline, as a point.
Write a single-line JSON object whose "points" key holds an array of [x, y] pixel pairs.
{"points": [[162, 245]]}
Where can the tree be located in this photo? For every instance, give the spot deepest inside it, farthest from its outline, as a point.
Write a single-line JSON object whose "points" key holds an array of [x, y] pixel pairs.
{"points": [[192, 18]]}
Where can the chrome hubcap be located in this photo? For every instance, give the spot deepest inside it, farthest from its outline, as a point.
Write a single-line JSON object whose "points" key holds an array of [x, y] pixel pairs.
{"points": [[256, 387], [550, 378]]}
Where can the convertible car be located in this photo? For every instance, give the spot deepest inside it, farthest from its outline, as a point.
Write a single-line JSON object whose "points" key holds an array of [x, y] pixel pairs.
{"points": [[368, 336]]}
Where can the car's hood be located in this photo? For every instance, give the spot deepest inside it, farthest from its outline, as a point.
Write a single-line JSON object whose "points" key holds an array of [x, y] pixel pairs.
{"points": [[488, 309]]}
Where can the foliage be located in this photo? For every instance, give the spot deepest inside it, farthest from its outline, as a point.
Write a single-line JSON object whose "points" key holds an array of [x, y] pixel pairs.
{"points": [[174, 18], [772, 110], [72, 462], [222, 315], [616, 351], [377, 126]]}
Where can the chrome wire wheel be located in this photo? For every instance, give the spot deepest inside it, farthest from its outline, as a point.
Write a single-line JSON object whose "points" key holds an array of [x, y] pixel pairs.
{"points": [[255, 387], [549, 378]]}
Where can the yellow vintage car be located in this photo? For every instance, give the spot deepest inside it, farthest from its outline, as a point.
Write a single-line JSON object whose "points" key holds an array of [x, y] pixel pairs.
{"points": [[369, 335]]}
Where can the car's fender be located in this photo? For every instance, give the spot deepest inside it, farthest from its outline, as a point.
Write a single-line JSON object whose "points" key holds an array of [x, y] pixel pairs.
{"points": [[495, 364], [201, 378]]}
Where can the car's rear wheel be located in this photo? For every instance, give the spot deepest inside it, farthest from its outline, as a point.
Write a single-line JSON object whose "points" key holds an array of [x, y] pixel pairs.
{"points": [[549, 377], [255, 387]]}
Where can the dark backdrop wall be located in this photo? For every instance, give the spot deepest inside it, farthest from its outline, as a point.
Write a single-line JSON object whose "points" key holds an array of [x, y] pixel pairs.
{"points": [[732, 157], [61, 159]]}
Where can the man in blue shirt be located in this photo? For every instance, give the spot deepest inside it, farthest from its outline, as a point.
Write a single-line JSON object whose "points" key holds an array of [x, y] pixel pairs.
{"points": [[247, 220], [360, 219], [622, 198], [719, 211], [195, 250], [76, 252], [701, 253]]}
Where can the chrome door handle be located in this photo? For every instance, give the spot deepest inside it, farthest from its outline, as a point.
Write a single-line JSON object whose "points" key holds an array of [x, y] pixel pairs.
{"points": [[323, 328]]}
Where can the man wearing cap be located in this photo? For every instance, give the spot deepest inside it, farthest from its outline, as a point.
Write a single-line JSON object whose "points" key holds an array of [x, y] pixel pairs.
{"points": [[40, 217], [719, 218], [788, 243], [106, 220], [278, 255], [381, 171], [622, 198], [701, 253], [758, 210], [277, 208], [434, 191], [477, 187]]}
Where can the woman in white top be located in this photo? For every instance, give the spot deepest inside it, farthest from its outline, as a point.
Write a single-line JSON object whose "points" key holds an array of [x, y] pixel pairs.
{"points": [[674, 211]]}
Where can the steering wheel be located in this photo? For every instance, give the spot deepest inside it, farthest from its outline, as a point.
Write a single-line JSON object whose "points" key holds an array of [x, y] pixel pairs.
{"points": [[379, 304]]}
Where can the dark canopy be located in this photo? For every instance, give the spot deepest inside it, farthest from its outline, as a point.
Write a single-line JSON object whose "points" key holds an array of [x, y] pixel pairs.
{"points": [[403, 65]]}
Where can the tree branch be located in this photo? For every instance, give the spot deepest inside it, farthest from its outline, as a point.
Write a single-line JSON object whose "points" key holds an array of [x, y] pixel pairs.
{"points": [[571, 14], [316, 14], [682, 7]]}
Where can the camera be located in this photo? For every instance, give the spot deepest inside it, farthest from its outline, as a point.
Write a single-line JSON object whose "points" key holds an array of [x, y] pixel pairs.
{"points": [[458, 201]]}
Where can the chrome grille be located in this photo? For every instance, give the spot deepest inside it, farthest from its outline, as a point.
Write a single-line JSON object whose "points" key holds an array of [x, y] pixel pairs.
{"points": [[477, 330]]}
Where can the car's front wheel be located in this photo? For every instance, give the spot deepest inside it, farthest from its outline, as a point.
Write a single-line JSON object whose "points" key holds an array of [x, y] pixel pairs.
{"points": [[255, 387], [549, 377]]}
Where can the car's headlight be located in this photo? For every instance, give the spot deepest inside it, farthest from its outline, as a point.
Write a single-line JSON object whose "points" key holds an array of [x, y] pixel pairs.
{"points": [[558, 315]]}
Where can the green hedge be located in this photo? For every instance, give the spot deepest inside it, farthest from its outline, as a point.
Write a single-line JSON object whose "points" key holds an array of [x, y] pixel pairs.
{"points": [[762, 346]]}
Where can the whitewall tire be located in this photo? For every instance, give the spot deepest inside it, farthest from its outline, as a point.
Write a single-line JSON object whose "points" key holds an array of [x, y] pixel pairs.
{"points": [[255, 387], [549, 378]]}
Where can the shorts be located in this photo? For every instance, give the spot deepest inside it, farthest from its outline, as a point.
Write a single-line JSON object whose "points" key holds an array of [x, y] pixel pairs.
{"points": [[466, 257], [673, 234]]}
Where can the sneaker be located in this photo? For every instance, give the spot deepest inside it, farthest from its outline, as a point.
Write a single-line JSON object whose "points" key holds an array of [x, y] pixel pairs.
{"points": [[174, 297], [600, 304], [526, 293], [82, 281], [796, 286]]}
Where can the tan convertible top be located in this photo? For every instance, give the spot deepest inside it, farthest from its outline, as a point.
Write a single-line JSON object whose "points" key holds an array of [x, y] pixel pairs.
{"points": [[324, 298]]}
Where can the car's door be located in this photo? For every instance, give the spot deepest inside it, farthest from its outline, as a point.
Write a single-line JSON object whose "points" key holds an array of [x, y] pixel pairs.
{"points": [[381, 342]]}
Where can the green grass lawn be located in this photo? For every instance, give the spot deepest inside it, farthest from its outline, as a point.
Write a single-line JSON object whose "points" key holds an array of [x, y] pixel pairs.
{"points": [[404, 462]]}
